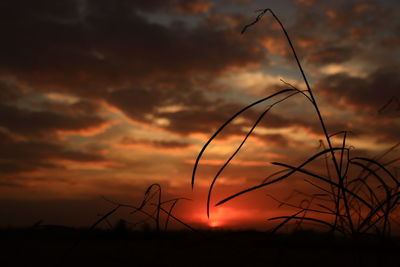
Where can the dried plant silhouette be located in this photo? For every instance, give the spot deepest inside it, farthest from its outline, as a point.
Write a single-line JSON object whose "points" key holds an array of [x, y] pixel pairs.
{"points": [[358, 195], [153, 198]]}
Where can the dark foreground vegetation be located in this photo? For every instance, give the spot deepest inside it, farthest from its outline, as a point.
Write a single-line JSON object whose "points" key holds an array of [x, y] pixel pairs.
{"points": [[53, 246]]}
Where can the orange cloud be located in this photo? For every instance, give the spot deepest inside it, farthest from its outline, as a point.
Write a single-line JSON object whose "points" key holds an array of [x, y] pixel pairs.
{"points": [[194, 7], [89, 131]]}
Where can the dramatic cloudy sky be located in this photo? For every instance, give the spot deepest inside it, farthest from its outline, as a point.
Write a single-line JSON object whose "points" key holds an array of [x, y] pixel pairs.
{"points": [[103, 98]]}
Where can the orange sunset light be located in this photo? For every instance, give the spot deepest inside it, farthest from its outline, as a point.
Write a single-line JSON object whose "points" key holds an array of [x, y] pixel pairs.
{"points": [[224, 217]]}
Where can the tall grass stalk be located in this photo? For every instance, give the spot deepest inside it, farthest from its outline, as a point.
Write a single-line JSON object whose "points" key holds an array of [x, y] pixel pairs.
{"points": [[357, 204]]}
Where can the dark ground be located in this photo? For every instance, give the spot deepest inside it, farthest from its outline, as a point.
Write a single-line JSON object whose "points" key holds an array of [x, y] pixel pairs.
{"points": [[53, 246]]}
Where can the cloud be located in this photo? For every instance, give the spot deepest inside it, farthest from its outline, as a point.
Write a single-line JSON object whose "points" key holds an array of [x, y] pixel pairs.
{"points": [[203, 119], [307, 3], [145, 105], [371, 92], [9, 91], [193, 7], [353, 14], [330, 55], [44, 123], [109, 44], [27, 156], [180, 6], [278, 140], [163, 144], [329, 32], [365, 98]]}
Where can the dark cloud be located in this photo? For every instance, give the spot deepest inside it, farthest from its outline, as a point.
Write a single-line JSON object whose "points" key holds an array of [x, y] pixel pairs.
{"points": [[24, 156], [208, 120], [40, 10], [155, 143], [370, 98], [203, 113], [328, 32], [108, 44], [181, 6], [94, 48], [330, 55], [44, 123], [371, 92], [344, 16], [193, 7], [9, 92], [277, 140], [139, 101], [85, 108], [366, 14], [307, 3], [201, 121]]}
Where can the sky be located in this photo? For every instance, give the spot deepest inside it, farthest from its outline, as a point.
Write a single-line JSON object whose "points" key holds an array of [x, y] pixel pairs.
{"points": [[102, 98]]}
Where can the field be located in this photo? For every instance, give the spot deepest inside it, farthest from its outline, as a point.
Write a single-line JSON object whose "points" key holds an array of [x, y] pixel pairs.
{"points": [[119, 247]]}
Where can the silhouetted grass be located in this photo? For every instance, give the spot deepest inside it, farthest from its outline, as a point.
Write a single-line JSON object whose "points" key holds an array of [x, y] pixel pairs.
{"points": [[356, 203], [152, 192], [152, 198], [105, 247]]}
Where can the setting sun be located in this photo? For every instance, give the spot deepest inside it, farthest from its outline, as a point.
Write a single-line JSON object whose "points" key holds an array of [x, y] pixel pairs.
{"points": [[224, 217], [213, 223]]}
